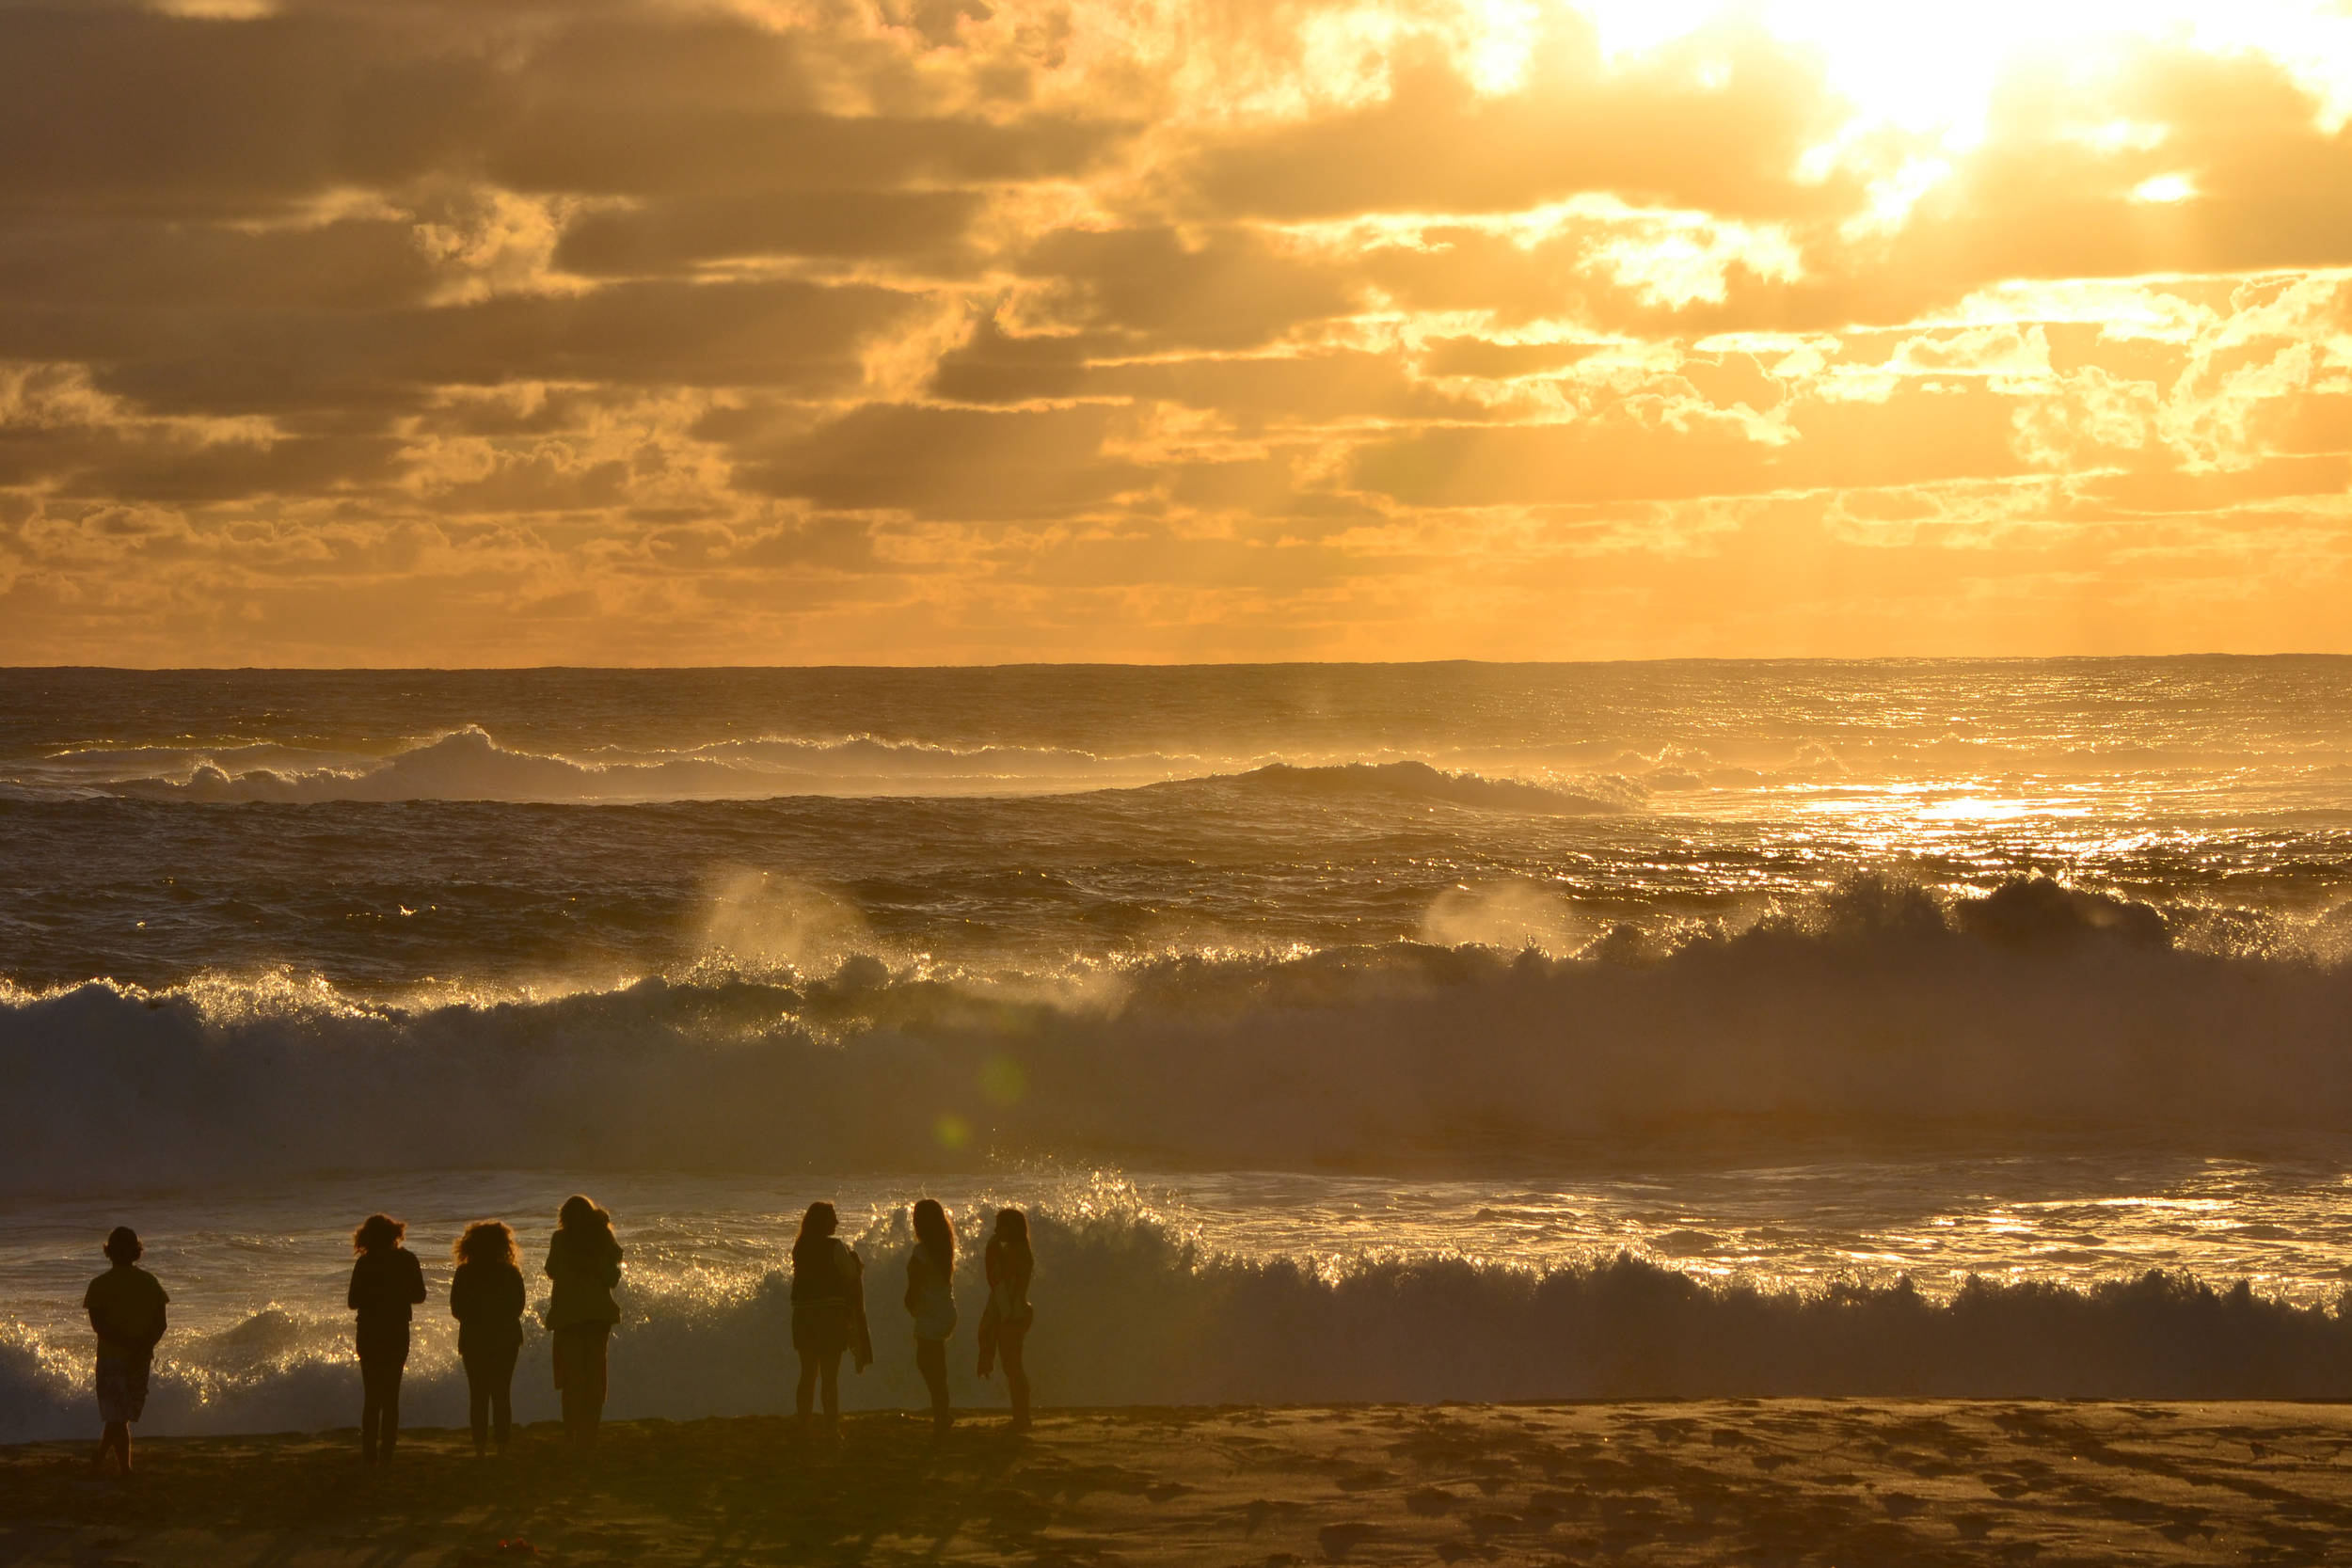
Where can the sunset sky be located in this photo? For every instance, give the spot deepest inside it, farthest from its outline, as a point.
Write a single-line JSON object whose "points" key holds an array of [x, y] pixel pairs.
{"points": [[753, 331]]}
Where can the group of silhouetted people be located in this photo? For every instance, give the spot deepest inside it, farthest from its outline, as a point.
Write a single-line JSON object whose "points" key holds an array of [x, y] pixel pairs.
{"points": [[829, 1308], [487, 1298]]}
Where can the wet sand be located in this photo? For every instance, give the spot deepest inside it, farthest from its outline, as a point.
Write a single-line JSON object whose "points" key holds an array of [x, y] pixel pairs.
{"points": [[1701, 1482]]}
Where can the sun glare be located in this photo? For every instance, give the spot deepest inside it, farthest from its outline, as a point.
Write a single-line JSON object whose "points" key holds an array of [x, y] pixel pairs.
{"points": [[1932, 68]]}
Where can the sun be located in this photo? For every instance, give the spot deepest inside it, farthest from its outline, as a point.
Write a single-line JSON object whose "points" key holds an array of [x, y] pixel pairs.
{"points": [[1931, 68]]}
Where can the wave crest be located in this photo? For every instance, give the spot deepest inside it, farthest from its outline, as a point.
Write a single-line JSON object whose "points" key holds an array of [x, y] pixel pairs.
{"points": [[1131, 1312], [469, 764], [1885, 1009], [1420, 783]]}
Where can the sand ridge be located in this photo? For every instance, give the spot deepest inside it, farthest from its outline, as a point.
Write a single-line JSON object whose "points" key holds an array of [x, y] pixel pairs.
{"points": [[1847, 1482]]}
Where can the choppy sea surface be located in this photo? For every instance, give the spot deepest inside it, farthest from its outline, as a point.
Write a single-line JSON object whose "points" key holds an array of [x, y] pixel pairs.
{"points": [[1354, 1031]]}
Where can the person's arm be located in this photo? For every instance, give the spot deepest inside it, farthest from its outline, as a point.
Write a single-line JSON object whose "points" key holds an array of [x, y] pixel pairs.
{"points": [[458, 1304], [162, 1322], [416, 1278], [351, 1296], [612, 1267], [914, 1279]]}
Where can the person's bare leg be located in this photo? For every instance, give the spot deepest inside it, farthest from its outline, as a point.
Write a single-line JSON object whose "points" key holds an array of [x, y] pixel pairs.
{"points": [[1010, 1348], [805, 1396], [829, 1382], [930, 1359]]}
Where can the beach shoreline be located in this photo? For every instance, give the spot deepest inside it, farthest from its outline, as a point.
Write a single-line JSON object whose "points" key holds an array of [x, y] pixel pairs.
{"points": [[1694, 1481]]}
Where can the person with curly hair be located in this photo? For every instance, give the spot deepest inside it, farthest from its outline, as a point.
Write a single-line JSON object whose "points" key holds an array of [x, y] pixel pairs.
{"points": [[485, 1296], [386, 1283]]}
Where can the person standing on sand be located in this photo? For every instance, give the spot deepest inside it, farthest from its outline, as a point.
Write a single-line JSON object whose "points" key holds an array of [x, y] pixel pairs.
{"points": [[930, 1300], [485, 1296], [1005, 1322], [828, 1312], [126, 1308], [386, 1282], [584, 1261]]}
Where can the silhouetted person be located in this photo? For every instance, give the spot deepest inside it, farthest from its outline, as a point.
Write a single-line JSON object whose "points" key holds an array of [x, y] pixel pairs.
{"points": [[126, 1308], [1005, 1322], [931, 1302], [585, 1261], [386, 1282], [485, 1296], [828, 1311]]}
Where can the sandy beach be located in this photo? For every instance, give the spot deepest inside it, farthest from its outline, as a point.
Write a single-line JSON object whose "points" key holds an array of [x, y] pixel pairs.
{"points": [[1707, 1481]]}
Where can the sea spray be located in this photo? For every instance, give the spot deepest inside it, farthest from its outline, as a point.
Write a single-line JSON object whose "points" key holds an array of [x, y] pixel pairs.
{"points": [[1131, 1311], [1884, 1011]]}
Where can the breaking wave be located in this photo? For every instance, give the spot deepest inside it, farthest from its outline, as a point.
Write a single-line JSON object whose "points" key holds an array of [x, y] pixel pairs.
{"points": [[1414, 782], [1883, 1010], [470, 765], [1132, 1312]]}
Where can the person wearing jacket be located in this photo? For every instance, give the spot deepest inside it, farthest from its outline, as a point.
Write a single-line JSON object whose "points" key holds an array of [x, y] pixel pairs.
{"points": [[585, 1261], [828, 1312], [386, 1283], [485, 1296]]}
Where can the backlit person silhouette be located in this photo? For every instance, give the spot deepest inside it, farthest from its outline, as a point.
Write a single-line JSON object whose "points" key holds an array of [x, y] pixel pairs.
{"points": [[485, 1296], [584, 1261], [930, 1300], [386, 1282], [828, 1312], [1005, 1322], [126, 1308]]}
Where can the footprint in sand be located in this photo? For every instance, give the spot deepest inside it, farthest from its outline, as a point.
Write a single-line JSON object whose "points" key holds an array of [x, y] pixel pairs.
{"points": [[1344, 1537], [1257, 1511]]}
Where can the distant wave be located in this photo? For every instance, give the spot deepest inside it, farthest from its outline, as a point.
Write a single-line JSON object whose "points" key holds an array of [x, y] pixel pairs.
{"points": [[1880, 1009], [1418, 783], [470, 765], [1132, 1313]]}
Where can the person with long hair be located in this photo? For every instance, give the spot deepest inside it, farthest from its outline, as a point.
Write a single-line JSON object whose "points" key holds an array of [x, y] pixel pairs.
{"points": [[828, 1312], [485, 1296], [386, 1283], [930, 1301], [1005, 1321], [126, 1311], [584, 1261]]}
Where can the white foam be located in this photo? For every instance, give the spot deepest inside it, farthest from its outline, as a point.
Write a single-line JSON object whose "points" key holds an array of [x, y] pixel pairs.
{"points": [[1883, 1009], [1131, 1314]]}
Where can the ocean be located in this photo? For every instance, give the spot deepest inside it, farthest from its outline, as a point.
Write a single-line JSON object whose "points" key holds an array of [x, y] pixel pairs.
{"points": [[1452, 1031]]}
